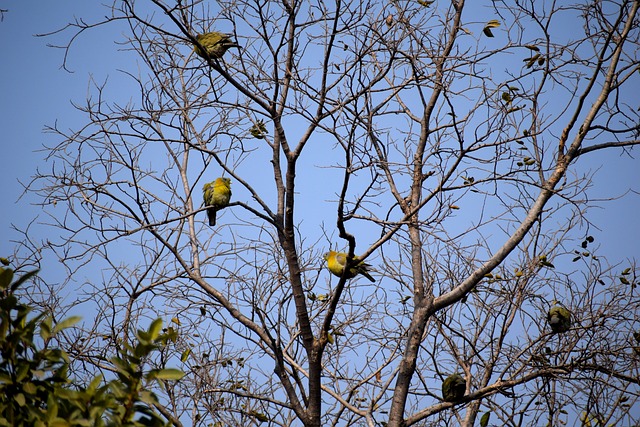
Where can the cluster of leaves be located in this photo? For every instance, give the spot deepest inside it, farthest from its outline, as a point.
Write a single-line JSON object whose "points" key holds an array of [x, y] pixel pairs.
{"points": [[35, 387], [584, 252], [625, 276]]}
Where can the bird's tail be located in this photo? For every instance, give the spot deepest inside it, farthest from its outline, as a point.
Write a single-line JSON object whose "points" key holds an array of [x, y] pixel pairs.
{"points": [[211, 213]]}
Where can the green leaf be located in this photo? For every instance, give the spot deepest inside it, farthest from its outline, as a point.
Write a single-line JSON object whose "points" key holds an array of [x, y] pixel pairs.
{"points": [[45, 328], [484, 421], [148, 397], [123, 368], [185, 355], [66, 323], [95, 383], [6, 276], [22, 371], [29, 388], [20, 400], [155, 328], [23, 279], [169, 374]]}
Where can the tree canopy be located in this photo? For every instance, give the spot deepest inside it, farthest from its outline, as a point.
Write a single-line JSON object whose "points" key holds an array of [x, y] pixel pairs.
{"points": [[442, 143]]}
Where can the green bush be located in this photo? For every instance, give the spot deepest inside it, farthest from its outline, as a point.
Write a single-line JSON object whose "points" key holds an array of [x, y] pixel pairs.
{"points": [[35, 387]]}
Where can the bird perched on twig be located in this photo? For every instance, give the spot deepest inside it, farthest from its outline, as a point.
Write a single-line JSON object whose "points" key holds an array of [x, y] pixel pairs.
{"points": [[336, 261], [216, 196], [559, 319], [215, 43], [453, 388]]}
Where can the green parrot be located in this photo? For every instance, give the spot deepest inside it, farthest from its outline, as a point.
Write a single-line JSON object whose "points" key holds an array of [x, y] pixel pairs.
{"points": [[453, 388], [216, 196], [215, 43], [559, 319]]}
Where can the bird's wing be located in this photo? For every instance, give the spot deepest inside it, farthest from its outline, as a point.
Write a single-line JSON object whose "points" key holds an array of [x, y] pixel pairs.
{"points": [[341, 259]]}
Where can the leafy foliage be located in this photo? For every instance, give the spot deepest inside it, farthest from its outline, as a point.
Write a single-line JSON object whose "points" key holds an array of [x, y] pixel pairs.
{"points": [[35, 386]]}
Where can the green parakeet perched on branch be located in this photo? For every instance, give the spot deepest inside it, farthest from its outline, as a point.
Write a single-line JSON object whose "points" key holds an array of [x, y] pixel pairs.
{"points": [[215, 43], [453, 388], [336, 261], [216, 196], [559, 319]]}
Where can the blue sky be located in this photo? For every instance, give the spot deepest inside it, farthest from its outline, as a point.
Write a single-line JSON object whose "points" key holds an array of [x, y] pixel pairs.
{"points": [[37, 92]]}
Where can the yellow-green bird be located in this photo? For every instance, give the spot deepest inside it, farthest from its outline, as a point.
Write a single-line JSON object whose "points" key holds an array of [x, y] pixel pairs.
{"points": [[453, 388], [216, 195], [336, 261], [559, 319], [215, 43]]}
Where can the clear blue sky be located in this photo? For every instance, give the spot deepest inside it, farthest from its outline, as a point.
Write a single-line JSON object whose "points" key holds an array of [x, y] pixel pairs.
{"points": [[36, 92]]}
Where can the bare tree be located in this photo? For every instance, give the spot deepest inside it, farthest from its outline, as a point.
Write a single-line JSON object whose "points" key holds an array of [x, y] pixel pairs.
{"points": [[443, 140]]}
